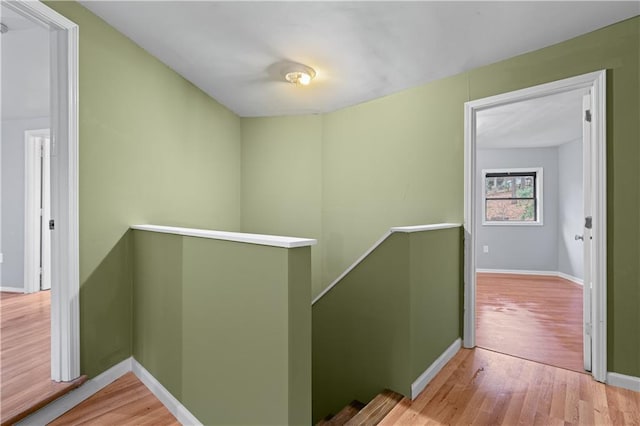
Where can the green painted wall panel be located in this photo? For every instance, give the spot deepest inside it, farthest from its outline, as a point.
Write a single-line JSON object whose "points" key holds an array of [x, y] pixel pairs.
{"points": [[153, 149], [436, 290], [391, 162], [157, 307], [361, 331], [105, 310], [300, 336], [282, 179], [225, 327], [235, 332]]}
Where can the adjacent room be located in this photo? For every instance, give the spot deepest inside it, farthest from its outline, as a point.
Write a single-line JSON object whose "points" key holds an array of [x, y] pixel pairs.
{"points": [[530, 262]]}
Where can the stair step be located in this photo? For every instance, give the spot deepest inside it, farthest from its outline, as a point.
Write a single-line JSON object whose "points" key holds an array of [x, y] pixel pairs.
{"points": [[376, 410], [344, 415]]}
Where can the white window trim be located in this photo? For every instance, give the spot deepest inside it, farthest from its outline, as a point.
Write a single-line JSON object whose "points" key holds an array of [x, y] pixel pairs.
{"points": [[539, 197]]}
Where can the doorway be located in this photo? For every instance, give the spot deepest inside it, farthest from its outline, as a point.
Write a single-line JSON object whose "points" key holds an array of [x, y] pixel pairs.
{"points": [[525, 181], [62, 54]]}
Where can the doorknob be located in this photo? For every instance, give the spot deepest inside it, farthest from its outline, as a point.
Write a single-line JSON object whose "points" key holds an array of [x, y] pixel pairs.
{"points": [[579, 237]]}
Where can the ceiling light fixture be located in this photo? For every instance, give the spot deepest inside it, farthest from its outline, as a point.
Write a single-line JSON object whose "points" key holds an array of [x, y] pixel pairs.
{"points": [[300, 75]]}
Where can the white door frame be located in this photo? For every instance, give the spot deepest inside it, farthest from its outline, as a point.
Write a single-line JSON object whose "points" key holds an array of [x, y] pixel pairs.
{"points": [[37, 241], [65, 274], [596, 82]]}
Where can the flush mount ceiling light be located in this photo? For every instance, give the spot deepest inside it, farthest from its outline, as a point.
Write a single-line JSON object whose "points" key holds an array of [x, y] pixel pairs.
{"points": [[299, 74]]}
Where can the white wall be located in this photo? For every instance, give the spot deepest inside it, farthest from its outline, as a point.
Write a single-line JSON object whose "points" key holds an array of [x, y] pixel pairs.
{"points": [[521, 247], [570, 209], [25, 106], [13, 191]]}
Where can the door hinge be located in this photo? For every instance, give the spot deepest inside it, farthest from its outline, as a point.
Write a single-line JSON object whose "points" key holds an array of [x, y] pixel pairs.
{"points": [[587, 328], [587, 115], [52, 225], [588, 222]]}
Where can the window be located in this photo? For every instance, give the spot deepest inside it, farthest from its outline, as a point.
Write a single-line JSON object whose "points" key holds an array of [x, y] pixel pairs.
{"points": [[512, 197]]}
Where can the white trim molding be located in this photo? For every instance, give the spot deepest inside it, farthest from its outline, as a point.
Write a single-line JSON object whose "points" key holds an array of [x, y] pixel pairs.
{"points": [[401, 229], [66, 402], [240, 237], [538, 172], [174, 406], [595, 82], [10, 289], [65, 269], [558, 274], [423, 380], [624, 381]]}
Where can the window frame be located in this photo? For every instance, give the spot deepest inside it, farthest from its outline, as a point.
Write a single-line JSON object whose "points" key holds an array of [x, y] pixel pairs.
{"points": [[538, 199]]}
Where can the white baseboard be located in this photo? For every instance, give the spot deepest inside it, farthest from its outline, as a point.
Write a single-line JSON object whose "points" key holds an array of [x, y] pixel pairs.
{"points": [[428, 375], [12, 289], [66, 402], [571, 278], [173, 405], [624, 381], [526, 272]]}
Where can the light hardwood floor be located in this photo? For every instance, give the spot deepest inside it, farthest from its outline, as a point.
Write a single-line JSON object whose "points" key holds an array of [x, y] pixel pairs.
{"points": [[127, 401], [533, 317], [483, 387], [25, 355]]}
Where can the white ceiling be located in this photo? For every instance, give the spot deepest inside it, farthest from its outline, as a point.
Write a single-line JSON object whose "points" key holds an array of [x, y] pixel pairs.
{"points": [[361, 50], [536, 123], [24, 60]]}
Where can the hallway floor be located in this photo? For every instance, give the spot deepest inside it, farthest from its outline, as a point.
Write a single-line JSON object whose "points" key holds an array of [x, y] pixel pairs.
{"points": [[25, 355], [483, 387]]}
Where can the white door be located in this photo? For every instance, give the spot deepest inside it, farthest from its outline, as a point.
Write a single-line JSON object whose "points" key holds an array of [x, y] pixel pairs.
{"points": [[587, 185], [45, 236], [37, 237]]}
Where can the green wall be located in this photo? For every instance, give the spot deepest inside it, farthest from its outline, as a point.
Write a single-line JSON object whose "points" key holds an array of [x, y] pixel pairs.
{"points": [[398, 160], [282, 179], [153, 149], [225, 326], [388, 320]]}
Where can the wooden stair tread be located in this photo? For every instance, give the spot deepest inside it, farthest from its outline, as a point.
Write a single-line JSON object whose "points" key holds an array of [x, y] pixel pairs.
{"points": [[376, 410], [344, 415]]}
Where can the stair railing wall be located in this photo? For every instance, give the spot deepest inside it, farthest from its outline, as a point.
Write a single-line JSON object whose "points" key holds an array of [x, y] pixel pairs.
{"points": [[389, 317]]}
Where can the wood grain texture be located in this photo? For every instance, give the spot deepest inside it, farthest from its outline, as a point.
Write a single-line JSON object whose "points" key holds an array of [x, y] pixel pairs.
{"points": [[376, 409], [127, 401], [533, 317], [25, 356], [344, 415], [483, 387]]}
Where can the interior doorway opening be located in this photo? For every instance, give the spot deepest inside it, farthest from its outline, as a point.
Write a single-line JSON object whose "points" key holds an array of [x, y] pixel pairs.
{"points": [[529, 266], [506, 201]]}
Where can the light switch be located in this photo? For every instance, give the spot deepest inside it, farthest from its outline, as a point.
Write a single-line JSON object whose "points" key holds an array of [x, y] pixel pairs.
{"points": [[485, 249]]}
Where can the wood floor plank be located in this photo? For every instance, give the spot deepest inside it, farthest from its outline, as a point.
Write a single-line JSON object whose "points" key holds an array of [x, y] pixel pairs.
{"points": [[25, 356], [492, 388], [127, 401], [532, 317]]}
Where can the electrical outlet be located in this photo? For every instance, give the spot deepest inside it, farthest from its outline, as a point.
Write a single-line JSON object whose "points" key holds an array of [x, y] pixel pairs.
{"points": [[485, 249]]}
